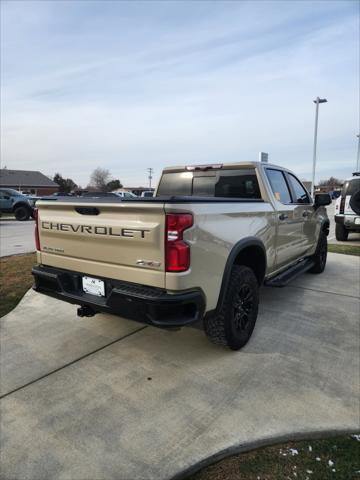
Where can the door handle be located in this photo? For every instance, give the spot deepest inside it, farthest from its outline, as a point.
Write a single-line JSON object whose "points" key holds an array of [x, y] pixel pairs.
{"points": [[305, 214], [283, 216]]}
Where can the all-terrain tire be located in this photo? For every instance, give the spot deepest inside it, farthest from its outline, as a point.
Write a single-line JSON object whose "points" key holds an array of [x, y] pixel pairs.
{"points": [[320, 255], [234, 323], [341, 233], [22, 213]]}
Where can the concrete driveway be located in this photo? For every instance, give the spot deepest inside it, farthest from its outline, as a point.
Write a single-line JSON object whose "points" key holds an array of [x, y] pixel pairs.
{"points": [[16, 237], [107, 398]]}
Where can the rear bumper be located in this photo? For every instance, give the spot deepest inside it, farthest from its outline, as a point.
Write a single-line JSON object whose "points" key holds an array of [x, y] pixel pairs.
{"points": [[348, 221], [145, 304]]}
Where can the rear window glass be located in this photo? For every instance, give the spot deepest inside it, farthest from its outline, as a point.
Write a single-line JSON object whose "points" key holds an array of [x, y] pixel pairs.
{"points": [[351, 187], [222, 183]]}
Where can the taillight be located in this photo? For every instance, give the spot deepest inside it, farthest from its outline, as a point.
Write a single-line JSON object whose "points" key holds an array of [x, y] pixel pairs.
{"points": [[342, 205], [37, 239], [177, 252]]}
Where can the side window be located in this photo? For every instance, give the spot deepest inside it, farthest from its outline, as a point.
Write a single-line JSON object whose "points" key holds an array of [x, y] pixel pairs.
{"points": [[301, 195], [4, 195], [279, 185]]}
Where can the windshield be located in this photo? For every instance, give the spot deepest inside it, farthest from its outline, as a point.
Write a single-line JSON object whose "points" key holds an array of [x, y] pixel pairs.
{"points": [[12, 192]]}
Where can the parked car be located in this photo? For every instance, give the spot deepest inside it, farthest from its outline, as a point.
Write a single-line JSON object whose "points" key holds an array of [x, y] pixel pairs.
{"points": [[121, 194], [198, 251], [347, 208], [125, 194], [62, 194], [12, 201], [335, 194], [147, 193]]}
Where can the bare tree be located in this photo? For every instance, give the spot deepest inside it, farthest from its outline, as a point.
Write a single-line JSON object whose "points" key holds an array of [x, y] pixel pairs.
{"points": [[331, 182], [99, 179]]}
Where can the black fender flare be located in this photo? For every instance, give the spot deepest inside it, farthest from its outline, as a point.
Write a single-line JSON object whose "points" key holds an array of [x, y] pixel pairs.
{"points": [[325, 225], [237, 248], [21, 204]]}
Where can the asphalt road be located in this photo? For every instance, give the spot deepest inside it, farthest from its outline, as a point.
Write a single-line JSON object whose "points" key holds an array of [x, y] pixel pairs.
{"points": [[16, 237], [108, 398]]}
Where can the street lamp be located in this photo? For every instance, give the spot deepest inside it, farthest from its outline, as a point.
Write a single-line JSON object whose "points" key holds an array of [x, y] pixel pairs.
{"points": [[358, 155], [317, 102]]}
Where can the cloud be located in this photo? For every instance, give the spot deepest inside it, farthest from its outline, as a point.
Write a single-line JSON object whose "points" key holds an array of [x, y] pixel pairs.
{"points": [[127, 85]]}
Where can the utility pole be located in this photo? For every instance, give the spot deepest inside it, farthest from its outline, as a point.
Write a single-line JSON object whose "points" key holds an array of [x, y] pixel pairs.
{"points": [[358, 154], [151, 171], [317, 101]]}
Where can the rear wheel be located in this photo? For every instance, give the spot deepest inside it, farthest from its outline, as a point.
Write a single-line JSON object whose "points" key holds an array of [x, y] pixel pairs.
{"points": [[22, 213], [341, 233], [320, 255], [234, 323]]}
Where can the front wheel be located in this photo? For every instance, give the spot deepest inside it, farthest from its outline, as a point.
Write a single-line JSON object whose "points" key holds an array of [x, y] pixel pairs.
{"points": [[320, 255], [234, 323], [22, 213]]}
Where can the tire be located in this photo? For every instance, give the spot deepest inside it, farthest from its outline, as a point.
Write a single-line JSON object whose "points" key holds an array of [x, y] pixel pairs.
{"points": [[234, 323], [320, 255], [341, 233], [22, 213]]}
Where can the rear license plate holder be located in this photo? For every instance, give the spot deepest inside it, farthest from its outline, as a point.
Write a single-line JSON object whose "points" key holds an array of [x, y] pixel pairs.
{"points": [[93, 286]]}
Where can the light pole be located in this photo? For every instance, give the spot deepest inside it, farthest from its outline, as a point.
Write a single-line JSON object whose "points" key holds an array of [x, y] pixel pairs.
{"points": [[317, 102], [358, 154], [150, 170]]}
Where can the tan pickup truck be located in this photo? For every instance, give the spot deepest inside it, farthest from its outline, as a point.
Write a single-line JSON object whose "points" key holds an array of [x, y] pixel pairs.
{"points": [[197, 251]]}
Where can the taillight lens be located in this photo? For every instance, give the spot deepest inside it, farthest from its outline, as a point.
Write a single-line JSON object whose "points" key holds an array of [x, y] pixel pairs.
{"points": [[177, 252], [37, 239], [342, 205]]}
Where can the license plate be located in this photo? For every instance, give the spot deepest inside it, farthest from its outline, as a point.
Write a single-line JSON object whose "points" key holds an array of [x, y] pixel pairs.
{"points": [[357, 221], [93, 286]]}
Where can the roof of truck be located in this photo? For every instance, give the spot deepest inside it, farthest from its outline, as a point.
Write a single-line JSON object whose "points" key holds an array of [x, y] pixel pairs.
{"points": [[209, 166]]}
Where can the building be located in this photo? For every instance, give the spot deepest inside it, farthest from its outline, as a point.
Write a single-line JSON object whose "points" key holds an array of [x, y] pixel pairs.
{"points": [[27, 181]]}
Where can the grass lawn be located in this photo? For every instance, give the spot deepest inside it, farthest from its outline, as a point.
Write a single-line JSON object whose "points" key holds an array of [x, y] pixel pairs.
{"points": [[15, 280], [345, 249], [336, 458]]}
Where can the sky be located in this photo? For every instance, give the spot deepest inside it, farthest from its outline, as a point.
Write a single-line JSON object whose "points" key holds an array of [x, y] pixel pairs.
{"points": [[131, 85]]}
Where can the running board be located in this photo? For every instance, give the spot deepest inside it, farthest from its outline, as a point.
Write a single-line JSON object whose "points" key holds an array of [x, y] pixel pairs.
{"points": [[283, 278]]}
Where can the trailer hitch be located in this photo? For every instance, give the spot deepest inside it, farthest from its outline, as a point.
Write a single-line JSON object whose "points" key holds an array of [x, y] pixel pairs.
{"points": [[85, 311]]}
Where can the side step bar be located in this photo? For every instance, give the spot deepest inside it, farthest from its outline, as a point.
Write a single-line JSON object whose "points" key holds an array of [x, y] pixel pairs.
{"points": [[283, 278]]}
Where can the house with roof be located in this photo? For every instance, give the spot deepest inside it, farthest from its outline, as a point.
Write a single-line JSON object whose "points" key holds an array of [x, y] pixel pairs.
{"points": [[27, 181]]}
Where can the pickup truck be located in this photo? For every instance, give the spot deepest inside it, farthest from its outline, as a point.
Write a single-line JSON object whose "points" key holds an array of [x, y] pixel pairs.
{"points": [[198, 251], [12, 201]]}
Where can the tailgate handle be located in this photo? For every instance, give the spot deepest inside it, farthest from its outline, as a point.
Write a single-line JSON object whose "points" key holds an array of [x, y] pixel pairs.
{"points": [[87, 210]]}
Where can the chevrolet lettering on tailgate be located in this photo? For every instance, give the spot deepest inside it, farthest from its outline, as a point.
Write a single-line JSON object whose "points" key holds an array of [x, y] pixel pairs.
{"points": [[95, 230]]}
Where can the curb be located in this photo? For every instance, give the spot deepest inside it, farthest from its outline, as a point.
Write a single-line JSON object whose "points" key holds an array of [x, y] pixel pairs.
{"points": [[266, 442]]}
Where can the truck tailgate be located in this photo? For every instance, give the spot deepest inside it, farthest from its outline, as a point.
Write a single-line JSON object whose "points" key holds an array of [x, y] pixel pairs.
{"points": [[117, 240]]}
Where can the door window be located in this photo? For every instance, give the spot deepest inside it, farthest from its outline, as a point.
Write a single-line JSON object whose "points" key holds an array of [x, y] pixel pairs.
{"points": [[279, 185], [301, 195]]}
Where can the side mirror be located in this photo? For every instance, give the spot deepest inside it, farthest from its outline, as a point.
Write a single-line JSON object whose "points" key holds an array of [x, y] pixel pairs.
{"points": [[322, 200]]}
